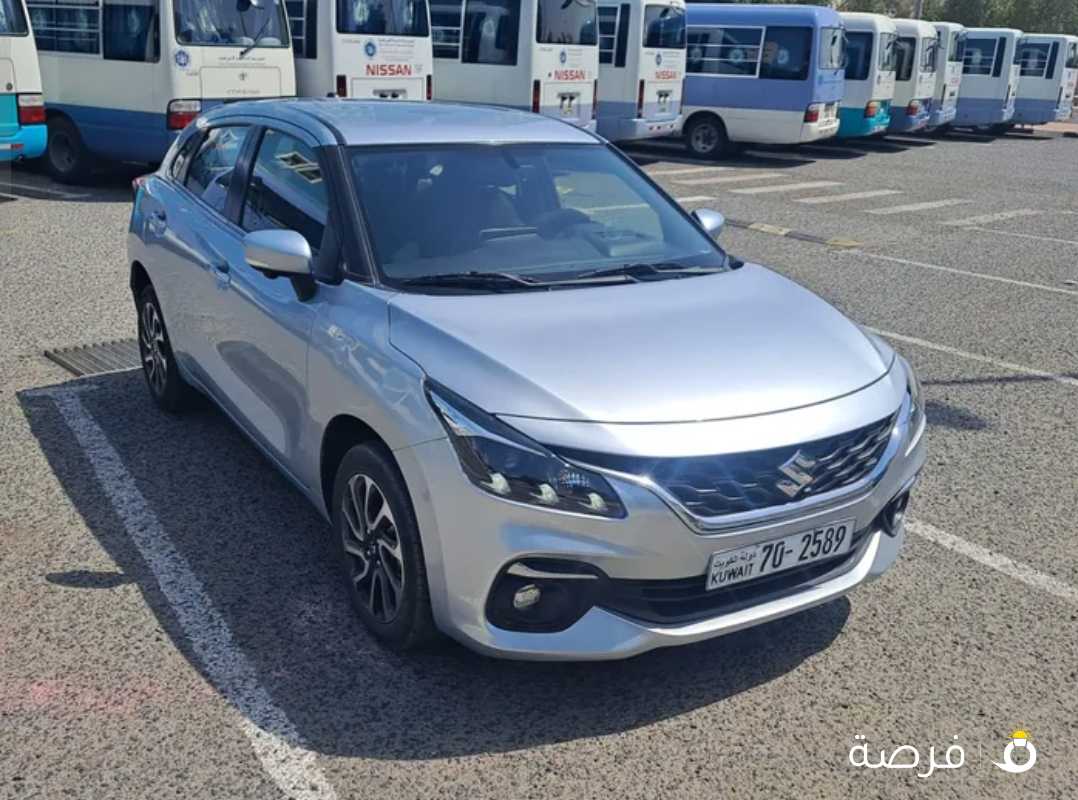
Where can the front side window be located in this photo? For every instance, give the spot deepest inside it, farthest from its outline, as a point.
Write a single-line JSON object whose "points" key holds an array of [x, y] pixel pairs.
{"points": [[543, 212], [445, 25], [929, 48], [980, 56], [905, 49], [491, 30], [71, 26], [724, 51], [832, 48], [286, 191], [12, 20], [236, 23], [210, 172], [387, 17], [888, 52], [787, 54], [1032, 59], [858, 56], [566, 22], [131, 30], [664, 26]]}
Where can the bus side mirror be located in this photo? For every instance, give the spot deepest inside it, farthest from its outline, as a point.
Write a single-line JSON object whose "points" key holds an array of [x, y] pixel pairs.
{"points": [[711, 221]]}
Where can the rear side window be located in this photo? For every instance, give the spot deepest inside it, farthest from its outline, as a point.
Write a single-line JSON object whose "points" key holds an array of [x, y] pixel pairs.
{"points": [[664, 26], [131, 30], [787, 54], [286, 191], [67, 27], [445, 22], [614, 34], [929, 48], [905, 48], [888, 52], [303, 23], [491, 29], [1032, 59], [979, 57], [1072, 56], [858, 56], [725, 51], [183, 155], [832, 48], [12, 20], [210, 172]]}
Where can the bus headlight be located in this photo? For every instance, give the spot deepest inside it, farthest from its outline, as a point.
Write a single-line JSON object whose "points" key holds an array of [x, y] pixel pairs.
{"points": [[507, 464]]}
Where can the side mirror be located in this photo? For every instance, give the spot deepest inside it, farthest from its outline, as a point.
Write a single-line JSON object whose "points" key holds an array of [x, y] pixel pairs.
{"points": [[278, 252], [710, 221]]}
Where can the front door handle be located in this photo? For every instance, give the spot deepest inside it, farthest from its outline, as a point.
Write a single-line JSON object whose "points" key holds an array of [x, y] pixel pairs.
{"points": [[221, 271]]}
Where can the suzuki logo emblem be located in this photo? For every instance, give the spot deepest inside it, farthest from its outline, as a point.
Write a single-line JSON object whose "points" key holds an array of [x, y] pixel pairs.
{"points": [[796, 469]]}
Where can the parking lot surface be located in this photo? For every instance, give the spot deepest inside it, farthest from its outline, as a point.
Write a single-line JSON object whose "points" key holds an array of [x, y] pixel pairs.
{"points": [[174, 625]]}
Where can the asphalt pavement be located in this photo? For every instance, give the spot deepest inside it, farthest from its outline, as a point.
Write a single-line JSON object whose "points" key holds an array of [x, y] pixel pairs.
{"points": [[174, 626]]}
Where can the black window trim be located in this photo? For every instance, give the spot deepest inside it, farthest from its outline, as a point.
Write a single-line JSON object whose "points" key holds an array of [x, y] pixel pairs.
{"points": [[1053, 56], [1001, 49], [621, 41]]}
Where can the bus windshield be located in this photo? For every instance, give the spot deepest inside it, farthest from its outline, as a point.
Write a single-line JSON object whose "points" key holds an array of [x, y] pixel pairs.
{"points": [[386, 17], [244, 23], [664, 26], [12, 20], [566, 22]]}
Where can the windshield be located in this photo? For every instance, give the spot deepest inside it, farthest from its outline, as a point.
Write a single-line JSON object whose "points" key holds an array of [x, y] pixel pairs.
{"points": [[12, 20], [858, 56], [664, 26], [566, 22], [833, 48], [231, 22], [888, 52], [388, 17], [544, 212]]}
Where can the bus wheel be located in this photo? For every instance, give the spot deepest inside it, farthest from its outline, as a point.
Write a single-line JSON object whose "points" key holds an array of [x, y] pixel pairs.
{"points": [[66, 157], [1002, 129], [706, 137]]}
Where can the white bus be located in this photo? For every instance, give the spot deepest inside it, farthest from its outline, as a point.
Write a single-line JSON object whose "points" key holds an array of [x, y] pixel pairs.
{"points": [[990, 75], [870, 75], [22, 106], [541, 55], [949, 54], [641, 68], [362, 48], [915, 74], [123, 77], [1048, 69]]}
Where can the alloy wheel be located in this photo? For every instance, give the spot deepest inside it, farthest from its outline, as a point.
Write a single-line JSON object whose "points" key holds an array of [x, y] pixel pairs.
{"points": [[152, 341], [373, 547]]}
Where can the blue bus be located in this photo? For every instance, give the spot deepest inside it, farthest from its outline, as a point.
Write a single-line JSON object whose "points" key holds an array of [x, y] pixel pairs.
{"points": [[761, 74]]}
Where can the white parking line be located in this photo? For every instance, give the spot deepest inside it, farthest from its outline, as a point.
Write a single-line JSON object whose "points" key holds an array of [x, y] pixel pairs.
{"points": [[986, 219], [842, 198], [1025, 236], [786, 187], [919, 206], [1010, 366], [966, 273], [1000, 563], [741, 178], [691, 171], [44, 190], [275, 740]]}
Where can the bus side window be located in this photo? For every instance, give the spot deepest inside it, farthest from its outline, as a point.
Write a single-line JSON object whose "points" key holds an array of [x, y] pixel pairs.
{"points": [[66, 28], [787, 54], [608, 32], [303, 21], [131, 30], [622, 49], [491, 29], [445, 27]]}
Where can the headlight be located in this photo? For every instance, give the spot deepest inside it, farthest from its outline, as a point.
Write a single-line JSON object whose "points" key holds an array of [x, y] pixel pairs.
{"points": [[917, 408], [505, 463]]}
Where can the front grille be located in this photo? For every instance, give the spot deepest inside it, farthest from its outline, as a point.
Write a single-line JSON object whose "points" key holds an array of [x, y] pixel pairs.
{"points": [[713, 486], [685, 600]]}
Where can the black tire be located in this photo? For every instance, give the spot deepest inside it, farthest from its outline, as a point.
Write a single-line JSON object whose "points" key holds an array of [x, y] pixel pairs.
{"points": [[66, 158], [705, 137], [409, 624], [1001, 129], [167, 387]]}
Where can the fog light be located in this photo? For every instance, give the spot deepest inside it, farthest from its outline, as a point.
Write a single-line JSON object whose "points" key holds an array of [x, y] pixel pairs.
{"points": [[526, 597]]}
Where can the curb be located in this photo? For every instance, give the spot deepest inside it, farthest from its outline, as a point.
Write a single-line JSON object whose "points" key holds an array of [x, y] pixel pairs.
{"points": [[788, 233]]}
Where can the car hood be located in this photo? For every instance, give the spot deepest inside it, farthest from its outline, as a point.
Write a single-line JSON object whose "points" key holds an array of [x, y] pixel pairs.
{"points": [[734, 344]]}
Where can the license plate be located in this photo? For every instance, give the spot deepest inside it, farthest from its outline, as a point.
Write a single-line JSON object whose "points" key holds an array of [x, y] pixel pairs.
{"points": [[755, 561]]}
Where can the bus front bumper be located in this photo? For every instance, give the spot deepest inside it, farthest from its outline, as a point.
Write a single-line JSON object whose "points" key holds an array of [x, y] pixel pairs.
{"points": [[27, 142]]}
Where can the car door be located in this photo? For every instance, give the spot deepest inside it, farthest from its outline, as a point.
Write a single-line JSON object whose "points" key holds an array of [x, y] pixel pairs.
{"points": [[261, 325]]}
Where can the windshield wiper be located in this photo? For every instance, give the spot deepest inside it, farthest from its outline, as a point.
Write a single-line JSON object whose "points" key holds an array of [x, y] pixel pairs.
{"points": [[494, 281], [649, 270], [257, 39]]}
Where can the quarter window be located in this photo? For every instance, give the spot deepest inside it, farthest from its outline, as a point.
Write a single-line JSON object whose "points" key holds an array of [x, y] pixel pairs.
{"points": [[565, 22], [491, 28], [132, 30], [66, 26], [905, 49], [664, 26], [787, 54], [183, 156], [888, 52], [1032, 59], [1072, 56], [724, 51], [980, 56], [858, 56], [832, 48], [929, 48], [287, 191], [12, 21], [210, 173], [445, 27], [303, 24]]}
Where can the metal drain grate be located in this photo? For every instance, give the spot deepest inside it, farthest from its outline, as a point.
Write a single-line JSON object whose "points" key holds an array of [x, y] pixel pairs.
{"points": [[97, 359]]}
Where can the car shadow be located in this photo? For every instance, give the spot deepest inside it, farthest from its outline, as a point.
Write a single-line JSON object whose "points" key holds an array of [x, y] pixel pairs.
{"points": [[266, 563], [108, 184]]}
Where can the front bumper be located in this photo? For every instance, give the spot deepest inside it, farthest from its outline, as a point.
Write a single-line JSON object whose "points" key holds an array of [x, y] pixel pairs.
{"points": [[470, 537]]}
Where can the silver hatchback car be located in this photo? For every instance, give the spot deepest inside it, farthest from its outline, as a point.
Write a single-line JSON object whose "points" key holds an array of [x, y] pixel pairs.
{"points": [[544, 411]]}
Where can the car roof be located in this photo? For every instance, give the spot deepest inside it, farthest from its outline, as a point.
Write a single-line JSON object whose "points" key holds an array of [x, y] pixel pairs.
{"points": [[375, 122]]}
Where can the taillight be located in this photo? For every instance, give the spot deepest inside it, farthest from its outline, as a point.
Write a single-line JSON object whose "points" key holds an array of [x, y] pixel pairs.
{"points": [[640, 101], [182, 112], [535, 96], [812, 113], [31, 109], [872, 109], [914, 108], [595, 99], [430, 87], [342, 86]]}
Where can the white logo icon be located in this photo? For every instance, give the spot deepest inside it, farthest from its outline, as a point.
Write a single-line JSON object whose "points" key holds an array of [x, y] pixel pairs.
{"points": [[1019, 741]]}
